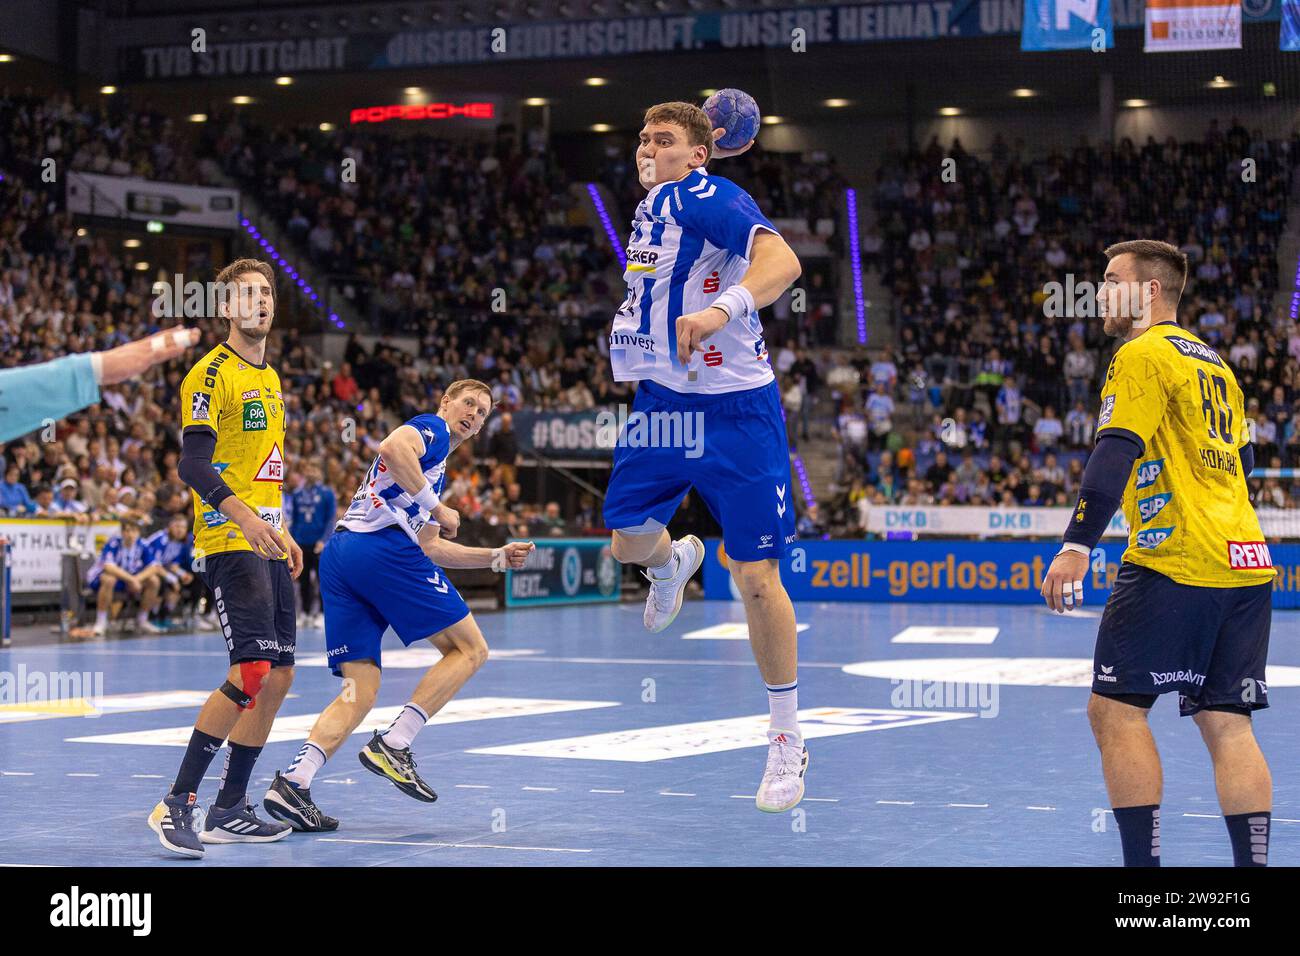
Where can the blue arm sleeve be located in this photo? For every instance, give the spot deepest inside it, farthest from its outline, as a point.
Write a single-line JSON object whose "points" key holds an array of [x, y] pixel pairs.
{"points": [[195, 467], [1247, 459], [1102, 488], [52, 390]]}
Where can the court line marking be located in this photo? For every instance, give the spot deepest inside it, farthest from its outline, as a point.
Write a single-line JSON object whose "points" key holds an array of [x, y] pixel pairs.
{"points": [[971, 806], [542, 789], [147, 776], [472, 786], [821, 800], [1040, 808], [898, 803], [456, 846], [1206, 816], [606, 791], [83, 775], [673, 793], [16, 773]]}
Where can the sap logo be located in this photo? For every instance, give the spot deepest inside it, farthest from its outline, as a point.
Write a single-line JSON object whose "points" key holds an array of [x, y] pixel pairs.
{"points": [[1249, 554], [713, 358], [1107, 674], [1149, 471], [1148, 508], [1169, 677], [1153, 537], [712, 284], [214, 519]]}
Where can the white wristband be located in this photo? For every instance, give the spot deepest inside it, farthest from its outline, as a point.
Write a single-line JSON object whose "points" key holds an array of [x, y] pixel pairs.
{"points": [[426, 498], [737, 302], [1075, 547]]}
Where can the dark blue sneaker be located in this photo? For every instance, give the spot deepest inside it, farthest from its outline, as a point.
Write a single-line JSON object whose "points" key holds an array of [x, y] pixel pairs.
{"points": [[173, 821], [292, 804], [241, 825]]}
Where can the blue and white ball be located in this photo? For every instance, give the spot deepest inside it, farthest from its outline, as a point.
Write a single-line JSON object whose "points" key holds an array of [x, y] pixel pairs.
{"points": [[737, 113]]}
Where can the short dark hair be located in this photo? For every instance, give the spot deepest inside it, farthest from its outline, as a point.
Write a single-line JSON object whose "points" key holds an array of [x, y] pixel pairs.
{"points": [[1156, 260]]}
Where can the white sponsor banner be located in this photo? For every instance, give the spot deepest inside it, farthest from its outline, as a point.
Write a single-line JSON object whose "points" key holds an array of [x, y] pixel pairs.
{"points": [[93, 194], [985, 522], [645, 744], [1176, 25], [40, 543], [297, 728]]}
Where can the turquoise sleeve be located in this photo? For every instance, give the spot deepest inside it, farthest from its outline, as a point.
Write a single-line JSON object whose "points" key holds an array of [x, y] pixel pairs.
{"points": [[32, 394]]}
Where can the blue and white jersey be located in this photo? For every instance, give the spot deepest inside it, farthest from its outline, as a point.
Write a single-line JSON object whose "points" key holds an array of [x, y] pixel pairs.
{"points": [[132, 560], [163, 549], [380, 502], [690, 242]]}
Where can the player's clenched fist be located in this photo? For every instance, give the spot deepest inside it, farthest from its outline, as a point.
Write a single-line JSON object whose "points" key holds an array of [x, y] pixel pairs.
{"points": [[694, 328], [448, 520], [512, 555], [1063, 587]]}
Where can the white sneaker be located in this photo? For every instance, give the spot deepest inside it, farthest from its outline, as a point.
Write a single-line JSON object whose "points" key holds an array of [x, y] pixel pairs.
{"points": [[665, 597], [148, 627], [205, 622], [318, 620], [787, 762]]}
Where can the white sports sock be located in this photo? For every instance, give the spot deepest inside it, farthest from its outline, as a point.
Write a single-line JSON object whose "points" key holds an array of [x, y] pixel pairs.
{"points": [[303, 769], [142, 617], [665, 570], [405, 726], [101, 619], [783, 703]]}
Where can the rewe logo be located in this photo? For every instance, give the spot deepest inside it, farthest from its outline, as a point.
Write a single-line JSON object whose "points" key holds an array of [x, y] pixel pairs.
{"points": [[1149, 471], [1249, 554], [75, 909]]}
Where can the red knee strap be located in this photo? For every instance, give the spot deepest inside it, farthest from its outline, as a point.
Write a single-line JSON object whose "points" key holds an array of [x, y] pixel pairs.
{"points": [[253, 674]]}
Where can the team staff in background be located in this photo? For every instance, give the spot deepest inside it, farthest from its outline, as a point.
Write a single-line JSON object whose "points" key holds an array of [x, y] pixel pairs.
{"points": [[33, 394], [232, 414], [1192, 604], [312, 512]]}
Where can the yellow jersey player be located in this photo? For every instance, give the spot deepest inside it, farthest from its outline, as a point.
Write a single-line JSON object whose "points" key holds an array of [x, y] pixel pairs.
{"points": [[232, 457], [1191, 607]]}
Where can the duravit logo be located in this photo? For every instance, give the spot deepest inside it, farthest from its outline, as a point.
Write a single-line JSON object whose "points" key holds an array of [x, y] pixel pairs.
{"points": [[1149, 471], [1148, 508]]}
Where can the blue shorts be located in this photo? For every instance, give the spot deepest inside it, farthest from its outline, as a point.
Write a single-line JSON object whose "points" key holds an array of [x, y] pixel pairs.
{"points": [[1208, 644], [735, 457], [373, 579]]}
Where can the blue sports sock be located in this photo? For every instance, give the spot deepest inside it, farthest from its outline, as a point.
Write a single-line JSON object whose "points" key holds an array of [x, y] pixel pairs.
{"points": [[198, 757], [234, 780], [1249, 835], [1139, 832]]}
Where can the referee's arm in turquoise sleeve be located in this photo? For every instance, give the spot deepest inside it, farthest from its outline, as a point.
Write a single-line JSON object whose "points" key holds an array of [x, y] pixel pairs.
{"points": [[32, 394]]}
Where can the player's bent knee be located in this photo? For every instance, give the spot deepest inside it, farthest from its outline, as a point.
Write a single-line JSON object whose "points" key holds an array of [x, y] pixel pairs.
{"points": [[634, 548], [756, 579], [1108, 713], [252, 676]]}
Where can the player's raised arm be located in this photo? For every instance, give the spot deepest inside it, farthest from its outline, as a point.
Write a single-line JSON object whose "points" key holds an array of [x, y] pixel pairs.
{"points": [[400, 453], [773, 268], [447, 554]]}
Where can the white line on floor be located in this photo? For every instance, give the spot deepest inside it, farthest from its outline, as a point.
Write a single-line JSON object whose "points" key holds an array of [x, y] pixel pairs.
{"points": [[472, 786], [898, 803], [743, 796], [456, 846], [672, 793], [83, 775], [542, 789], [971, 806], [16, 773], [1284, 820], [820, 800], [1040, 808], [606, 791], [147, 776], [1205, 816]]}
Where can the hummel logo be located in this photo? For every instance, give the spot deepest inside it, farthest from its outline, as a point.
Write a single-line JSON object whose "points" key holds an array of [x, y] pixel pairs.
{"points": [[427, 433], [780, 496], [438, 584]]}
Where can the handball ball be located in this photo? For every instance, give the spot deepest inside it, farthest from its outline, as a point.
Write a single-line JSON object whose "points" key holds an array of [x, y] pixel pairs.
{"points": [[737, 113]]}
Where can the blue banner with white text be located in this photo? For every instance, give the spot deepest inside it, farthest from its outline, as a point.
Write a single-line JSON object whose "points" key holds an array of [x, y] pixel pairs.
{"points": [[1066, 25]]}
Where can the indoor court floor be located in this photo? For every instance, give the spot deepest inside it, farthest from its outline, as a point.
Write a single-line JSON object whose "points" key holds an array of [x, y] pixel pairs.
{"points": [[939, 736]]}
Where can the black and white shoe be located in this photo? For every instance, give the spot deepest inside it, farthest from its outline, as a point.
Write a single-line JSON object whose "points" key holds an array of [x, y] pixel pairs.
{"points": [[173, 821], [241, 825], [293, 805], [397, 766]]}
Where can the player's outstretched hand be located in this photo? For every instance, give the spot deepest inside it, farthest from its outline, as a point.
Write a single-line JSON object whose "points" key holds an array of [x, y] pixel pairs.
{"points": [[511, 555], [693, 328], [721, 153], [1063, 587], [295, 556], [127, 361]]}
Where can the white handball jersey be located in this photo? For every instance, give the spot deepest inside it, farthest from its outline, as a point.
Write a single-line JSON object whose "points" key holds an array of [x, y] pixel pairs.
{"points": [[690, 241], [380, 502]]}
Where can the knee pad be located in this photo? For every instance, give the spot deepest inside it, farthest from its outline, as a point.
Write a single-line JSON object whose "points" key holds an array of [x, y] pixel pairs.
{"points": [[253, 674]]}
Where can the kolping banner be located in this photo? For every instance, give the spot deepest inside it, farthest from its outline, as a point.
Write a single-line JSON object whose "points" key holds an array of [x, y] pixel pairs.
{"points": [[1173, 26]]}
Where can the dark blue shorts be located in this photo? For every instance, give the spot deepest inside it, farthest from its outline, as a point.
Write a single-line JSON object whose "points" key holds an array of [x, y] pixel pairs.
{"points": [[1208, 644], [373, 579], [736, 459], [254, 603]]}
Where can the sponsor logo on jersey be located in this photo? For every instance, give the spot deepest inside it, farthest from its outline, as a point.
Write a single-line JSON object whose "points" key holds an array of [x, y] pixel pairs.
{"points": [[644, 342], [760, 350], [1196, 350], [1107, 674], [765, 541], [336, 651], [1153, 537], [272, 468], [1219, 460], [1249, 554], [1149, 471], [271, 516], [1107, 409], [1180, 677], [645, 257], [200, 403], [251, 394], [1148, 508], [713, 357], [254, 417], [214, 519], [712, 284]]}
